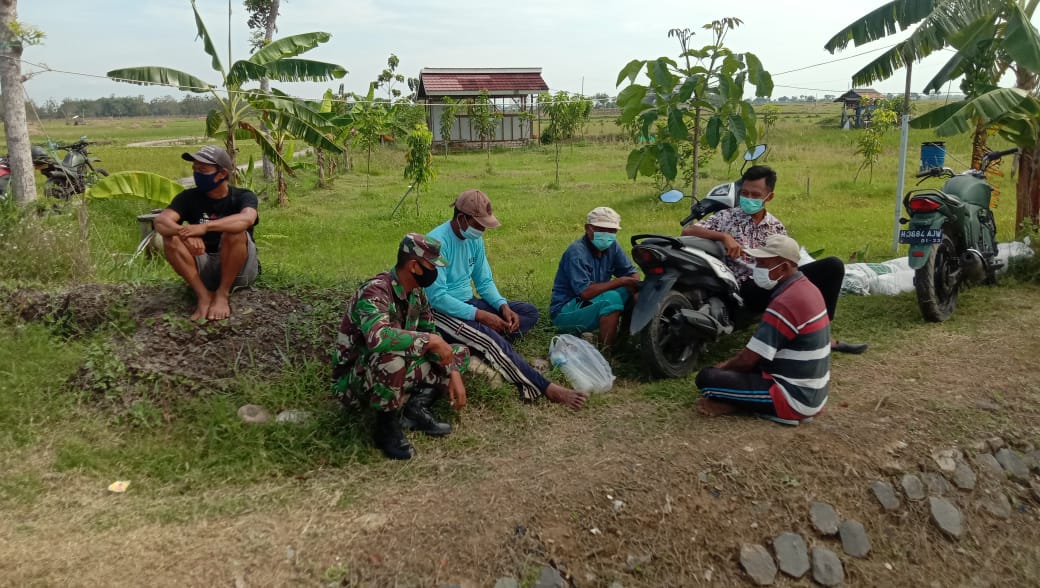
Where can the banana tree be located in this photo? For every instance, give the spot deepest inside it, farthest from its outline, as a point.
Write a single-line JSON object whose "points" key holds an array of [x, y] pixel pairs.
{"points": [[1015, 114], [235, 119], [289, 118], [988, 36]]}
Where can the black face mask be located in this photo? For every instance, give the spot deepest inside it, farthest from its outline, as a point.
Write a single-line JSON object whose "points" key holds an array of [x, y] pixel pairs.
{"points": [[426, 278]]}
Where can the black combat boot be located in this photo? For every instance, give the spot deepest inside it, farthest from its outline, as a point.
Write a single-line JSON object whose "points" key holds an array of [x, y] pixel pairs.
{"points": [[389, 437], [417, 416]]}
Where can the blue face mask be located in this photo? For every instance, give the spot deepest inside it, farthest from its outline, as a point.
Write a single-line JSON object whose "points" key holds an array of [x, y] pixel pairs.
{"points": [[471, 232], [603, 241], [751, 205], [206, 182]]}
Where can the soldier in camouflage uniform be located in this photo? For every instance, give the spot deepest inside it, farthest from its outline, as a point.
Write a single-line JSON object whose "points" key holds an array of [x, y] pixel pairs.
{"points": [[388, 354]]}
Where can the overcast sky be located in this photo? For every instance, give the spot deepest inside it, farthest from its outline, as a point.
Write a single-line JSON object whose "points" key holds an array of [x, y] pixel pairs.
{"points": [[579, 44]]}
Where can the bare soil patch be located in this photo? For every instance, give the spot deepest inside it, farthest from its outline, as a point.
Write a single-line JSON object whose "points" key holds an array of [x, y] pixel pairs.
{"points": [[147, 334], [504, 498]]}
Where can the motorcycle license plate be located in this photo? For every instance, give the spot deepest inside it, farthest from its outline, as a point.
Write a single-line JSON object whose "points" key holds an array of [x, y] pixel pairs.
{"points": [[920, 236]]}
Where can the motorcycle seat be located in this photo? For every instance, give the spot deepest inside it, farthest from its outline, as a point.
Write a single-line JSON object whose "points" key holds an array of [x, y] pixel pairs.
{"points": [[713, 248]]}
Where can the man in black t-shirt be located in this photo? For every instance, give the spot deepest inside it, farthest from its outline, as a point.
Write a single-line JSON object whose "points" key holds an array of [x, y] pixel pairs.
{"points": [[214, 251]]}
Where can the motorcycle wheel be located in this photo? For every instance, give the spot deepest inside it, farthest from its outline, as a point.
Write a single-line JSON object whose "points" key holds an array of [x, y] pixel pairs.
{"points": [[59, 190], [664, 348], [935, 282]]}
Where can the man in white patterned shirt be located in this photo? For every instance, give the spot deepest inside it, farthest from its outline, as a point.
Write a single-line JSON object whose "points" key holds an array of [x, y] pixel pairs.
{"points": [[747, 226]]}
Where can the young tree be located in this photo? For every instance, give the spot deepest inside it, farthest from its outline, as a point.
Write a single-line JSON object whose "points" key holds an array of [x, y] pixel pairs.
{"points": [[484, 114], [701, 104], [13, 37], [868, 144], [369, 119], [449, 114], [566, 115], [390, 78], [231, 121], [770, 114], [418, 163]]}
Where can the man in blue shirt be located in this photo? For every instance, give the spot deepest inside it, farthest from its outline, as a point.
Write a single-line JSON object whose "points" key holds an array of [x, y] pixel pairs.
{"points": [[595, 280], [486, 324]]}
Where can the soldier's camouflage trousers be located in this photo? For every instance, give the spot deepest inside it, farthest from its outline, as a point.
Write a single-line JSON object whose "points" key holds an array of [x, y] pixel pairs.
{"points": [[384, 379]]}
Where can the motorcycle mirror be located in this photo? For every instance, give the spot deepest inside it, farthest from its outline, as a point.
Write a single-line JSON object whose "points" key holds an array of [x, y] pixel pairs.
{"points": [[671, 196], [755, 152]]}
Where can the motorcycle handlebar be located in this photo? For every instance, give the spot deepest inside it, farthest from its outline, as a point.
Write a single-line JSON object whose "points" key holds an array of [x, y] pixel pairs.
{"points": [[76, 145], [688, 218], [993, 155]]}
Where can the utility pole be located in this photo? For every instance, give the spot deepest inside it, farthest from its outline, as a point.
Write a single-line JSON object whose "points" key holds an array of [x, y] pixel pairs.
{"points": [[903, 139]]}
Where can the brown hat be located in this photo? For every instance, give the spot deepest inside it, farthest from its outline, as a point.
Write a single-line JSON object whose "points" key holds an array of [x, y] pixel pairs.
{"points": [[211, 155], [777, 246], [425, 247], [476, 204]]}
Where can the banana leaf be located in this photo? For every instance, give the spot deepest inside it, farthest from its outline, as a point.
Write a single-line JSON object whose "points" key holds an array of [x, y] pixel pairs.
{"points": [[156, 189]]}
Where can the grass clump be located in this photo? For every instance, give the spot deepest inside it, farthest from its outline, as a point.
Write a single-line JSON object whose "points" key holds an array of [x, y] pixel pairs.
{"points": [[39, 247]]}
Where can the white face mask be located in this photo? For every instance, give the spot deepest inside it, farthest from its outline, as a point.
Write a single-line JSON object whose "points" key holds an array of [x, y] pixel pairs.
{"points": [[760, 275]]}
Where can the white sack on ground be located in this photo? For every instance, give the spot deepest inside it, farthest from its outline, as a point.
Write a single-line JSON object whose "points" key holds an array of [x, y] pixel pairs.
{"points": [[895, 276]]}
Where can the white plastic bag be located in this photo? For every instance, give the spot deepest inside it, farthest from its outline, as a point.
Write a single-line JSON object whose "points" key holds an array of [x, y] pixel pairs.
{"points": [[585, 367]]}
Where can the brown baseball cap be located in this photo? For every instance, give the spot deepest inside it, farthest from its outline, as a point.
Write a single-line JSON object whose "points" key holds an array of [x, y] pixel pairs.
{"points": [[425, 247], [476, 204], [211, 155]]}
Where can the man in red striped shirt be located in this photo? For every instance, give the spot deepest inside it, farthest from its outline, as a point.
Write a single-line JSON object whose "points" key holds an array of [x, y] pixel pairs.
{"points": [[783, 372]]}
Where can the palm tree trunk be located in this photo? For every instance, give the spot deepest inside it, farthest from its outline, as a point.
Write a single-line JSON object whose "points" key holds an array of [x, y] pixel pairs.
{"points": [[23, 182]]}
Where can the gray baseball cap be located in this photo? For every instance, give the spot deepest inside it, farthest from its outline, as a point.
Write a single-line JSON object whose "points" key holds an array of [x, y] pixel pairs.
{"points": [[211, 155]]}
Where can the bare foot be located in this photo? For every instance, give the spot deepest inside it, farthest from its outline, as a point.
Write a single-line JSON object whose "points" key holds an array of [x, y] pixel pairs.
{"points": [[220, 308], [714, 408], [571, 398], [202, 309]]}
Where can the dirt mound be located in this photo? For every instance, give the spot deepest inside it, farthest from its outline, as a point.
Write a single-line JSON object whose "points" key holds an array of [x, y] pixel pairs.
{"points": [[141, 338]]}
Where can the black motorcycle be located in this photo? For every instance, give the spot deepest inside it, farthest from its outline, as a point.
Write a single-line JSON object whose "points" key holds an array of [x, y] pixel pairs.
{"points": [[73, 174], [689, 296]]}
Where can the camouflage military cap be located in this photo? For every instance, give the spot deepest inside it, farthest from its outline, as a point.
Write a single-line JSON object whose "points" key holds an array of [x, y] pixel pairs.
{"points": [[425, 247]]}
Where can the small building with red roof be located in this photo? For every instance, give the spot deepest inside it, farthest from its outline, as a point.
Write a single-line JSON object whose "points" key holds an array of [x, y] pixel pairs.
{"points": [[510, 89]]}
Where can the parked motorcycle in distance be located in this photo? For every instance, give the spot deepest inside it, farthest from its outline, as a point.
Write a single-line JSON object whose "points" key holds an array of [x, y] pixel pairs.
{"points": [[952, 236], [689, 296], [5, 176], [73, 174]]}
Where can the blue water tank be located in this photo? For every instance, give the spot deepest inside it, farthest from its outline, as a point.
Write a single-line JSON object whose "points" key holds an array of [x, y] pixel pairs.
{"points": [[933, 154]]}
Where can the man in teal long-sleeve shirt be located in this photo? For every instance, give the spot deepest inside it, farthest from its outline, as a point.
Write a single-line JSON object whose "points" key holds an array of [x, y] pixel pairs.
{"points": [[486, 324]]}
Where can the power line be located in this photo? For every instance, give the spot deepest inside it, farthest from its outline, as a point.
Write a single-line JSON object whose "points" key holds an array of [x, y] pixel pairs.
{"points": [[822, 63], [42, 68]]}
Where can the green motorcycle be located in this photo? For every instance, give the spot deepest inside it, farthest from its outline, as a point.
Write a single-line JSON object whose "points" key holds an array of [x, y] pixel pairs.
{"points": [[952, 236]]}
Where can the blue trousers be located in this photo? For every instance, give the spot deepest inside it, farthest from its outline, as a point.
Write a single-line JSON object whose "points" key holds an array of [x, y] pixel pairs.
{"points": [[496, 349]]}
